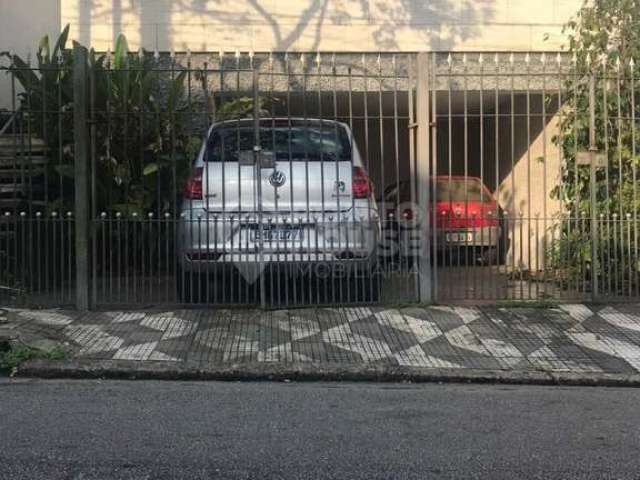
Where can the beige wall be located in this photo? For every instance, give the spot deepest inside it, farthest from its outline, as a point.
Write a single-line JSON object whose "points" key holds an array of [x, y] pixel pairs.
{"points": [[525, 195], [22, 24], [326, 25], [309, 25]]}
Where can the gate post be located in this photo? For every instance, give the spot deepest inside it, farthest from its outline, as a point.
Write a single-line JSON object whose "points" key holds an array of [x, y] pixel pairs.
{"points": [[257, 166], [593, 149], [81, 175], [423, 173]]}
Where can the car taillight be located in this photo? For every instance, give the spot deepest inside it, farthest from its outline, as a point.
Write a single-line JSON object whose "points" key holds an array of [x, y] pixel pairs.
{"points": [[488, 217], [193, 186], [406, 214], [360, 183]]}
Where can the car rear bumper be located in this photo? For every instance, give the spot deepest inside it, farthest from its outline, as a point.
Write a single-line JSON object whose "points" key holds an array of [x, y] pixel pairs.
{"points": [[469, 237], [407, 241], [213, 245], [253, 265]]}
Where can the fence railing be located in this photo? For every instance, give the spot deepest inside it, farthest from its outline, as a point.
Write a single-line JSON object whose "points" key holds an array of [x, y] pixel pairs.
{"points": [[37, 258], [253, 212]]}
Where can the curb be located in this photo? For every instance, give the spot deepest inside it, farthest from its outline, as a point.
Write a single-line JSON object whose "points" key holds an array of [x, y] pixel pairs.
{"points": [[158, 370]]}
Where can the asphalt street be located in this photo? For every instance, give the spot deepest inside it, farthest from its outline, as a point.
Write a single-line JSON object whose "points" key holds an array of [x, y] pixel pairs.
{"points": [[165, 430]]}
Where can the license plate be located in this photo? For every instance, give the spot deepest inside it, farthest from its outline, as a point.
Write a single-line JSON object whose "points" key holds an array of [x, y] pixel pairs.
{"points": [[459, 237], [276, 234]]}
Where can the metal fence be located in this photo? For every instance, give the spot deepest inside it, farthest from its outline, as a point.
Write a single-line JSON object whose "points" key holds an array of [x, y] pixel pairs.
{"points": [[552, 138], [283, 180]]}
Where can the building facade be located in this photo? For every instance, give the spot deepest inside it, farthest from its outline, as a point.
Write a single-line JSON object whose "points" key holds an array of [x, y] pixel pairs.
{"points": [[286, 25]]}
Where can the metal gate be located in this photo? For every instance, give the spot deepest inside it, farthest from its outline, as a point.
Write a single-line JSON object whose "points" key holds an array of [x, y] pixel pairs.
{"points": [[254, 180], [280, 180], [533, 177]]}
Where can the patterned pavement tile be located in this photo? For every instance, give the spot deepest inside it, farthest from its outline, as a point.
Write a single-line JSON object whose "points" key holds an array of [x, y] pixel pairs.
{"points": [[445, 318], [571, 337]]}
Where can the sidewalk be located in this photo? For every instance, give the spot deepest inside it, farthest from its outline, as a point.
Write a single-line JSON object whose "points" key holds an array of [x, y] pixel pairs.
{"points": [[577, 343]]}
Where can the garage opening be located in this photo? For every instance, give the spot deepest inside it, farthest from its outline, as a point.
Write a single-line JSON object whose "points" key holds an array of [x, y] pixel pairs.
{"points": [[299, 179], [497, 201]]}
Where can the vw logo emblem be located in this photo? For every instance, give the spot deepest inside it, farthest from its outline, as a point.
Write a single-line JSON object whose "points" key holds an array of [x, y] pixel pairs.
{"points": [[277, 178]]}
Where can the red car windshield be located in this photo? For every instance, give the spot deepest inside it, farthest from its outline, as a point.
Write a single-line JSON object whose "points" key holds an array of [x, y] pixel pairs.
{"points": [[461, 190], [447, 190]]}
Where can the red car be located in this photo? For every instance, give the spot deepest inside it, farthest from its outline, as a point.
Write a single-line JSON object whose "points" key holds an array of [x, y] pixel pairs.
{"points": [[468, 219]]}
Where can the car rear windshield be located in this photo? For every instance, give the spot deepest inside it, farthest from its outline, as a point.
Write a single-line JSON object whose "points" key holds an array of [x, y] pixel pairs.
{"points": [[298, 141], [446, 191], [460, 190]]}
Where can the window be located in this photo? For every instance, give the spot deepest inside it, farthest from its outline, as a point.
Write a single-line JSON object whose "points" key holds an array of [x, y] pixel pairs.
{"points": [[314, 141]]}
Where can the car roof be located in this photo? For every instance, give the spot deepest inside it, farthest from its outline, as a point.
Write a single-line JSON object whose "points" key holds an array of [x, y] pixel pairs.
{"points": [[250, 121], [403, 184], [457, 177]]}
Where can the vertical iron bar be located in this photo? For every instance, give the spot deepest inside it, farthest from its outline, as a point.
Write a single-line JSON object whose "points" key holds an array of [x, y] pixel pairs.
{"points": [[258, 178], [544, 178], [402, 251], [512, 170], [496, 190], [449, 220], [592, 182], [481, 213], [81, 175], [423, 171], [433, 184], [606, 237], [351, 142], [634, 176], [528, 123]]}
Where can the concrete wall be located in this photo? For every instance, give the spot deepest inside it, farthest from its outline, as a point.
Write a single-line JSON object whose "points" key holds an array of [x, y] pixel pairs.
{"points": [[326, 25], [525, 193], [22, 24], [279, 25]]}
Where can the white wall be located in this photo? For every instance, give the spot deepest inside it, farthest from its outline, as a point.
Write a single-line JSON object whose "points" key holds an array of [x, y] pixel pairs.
{"points": [[307, 25], [22, 24], [326, 25]]}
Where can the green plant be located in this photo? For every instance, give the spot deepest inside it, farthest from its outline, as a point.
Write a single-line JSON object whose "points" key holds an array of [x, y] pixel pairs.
{"points": [[140, 145], [603, 39], [46, 88], [569, 257], [143, 147], [11, 359]]}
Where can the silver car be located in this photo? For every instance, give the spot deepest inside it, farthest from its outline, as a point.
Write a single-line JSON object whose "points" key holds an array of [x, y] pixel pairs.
{"points": [[282, 192]]}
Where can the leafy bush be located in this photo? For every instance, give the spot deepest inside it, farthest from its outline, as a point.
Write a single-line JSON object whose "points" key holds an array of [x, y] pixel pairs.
{"points": [[11, 359], [139, 138], [603, 39]]}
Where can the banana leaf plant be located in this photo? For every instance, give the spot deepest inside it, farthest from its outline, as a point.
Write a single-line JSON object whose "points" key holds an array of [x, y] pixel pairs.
{"points": [[140, 148], [45, 103]]}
